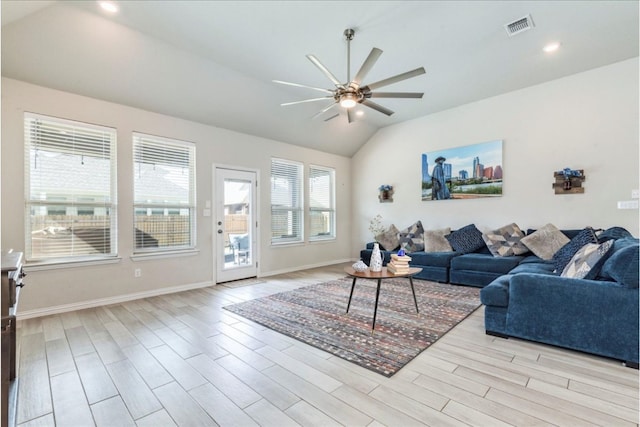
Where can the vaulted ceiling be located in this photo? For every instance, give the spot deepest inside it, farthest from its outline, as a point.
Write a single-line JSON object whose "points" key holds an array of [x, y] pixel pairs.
{"points": [[214, 61]]}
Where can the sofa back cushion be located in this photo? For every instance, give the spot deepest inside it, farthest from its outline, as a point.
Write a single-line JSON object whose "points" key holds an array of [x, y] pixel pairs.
{"points": [[622, 266]]}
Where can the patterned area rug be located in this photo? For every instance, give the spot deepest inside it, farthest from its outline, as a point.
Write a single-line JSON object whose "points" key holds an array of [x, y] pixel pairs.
{"points": [[316, 315]]}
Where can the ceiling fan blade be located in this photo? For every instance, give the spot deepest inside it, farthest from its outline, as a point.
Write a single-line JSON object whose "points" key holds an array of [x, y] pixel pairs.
{"points": [[367, 65], [306, 100], [332, 117], [304, 86], [325, 70], [394, 95], [394, 79], [324, 110], [377, 107]]}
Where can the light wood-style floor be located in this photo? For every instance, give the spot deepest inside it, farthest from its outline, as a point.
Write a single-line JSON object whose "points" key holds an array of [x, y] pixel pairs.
{"points": [[181, 360]]}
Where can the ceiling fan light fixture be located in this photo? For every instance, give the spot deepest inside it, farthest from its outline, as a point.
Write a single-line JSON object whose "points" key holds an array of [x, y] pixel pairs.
{"points": [[348, 100]]}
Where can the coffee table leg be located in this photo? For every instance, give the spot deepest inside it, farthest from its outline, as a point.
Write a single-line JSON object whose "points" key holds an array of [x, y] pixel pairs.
{"points": [[353, 285], [375, 310], [414, 294]]}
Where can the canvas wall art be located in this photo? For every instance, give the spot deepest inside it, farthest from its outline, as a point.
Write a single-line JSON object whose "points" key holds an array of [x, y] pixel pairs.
{"points": [[467, 172]]}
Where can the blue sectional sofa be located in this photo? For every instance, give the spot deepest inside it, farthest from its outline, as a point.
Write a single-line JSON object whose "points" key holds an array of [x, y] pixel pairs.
{"points": [[598, 316], [524, 298]]}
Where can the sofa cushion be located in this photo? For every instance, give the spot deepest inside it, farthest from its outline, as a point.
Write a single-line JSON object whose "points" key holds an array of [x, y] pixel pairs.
{"points": [[389, 239], [505, 241], [562, 257], [435, 241], [541, 267], [432, 259], [585, 259], [622, 265], [467, 239], [546, 241], [614, 233], [485, 263]]}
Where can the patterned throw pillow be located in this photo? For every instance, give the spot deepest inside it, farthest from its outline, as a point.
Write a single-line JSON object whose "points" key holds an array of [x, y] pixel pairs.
{"points": [[412, 237], [505, 241], [435, 241], [565, 253], [389, 239], [467, 239], [584, 260], [546, 241]]}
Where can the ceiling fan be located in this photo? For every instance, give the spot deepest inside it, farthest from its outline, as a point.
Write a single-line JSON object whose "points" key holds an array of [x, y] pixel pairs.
{"points": [[347, 95]]}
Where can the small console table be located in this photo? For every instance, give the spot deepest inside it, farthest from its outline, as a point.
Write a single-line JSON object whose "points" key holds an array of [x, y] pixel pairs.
{"points": [[12, 275]]}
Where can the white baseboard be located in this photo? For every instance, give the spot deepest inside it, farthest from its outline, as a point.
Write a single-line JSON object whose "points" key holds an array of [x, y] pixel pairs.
{"points": [[39, 312], [303, 267]]}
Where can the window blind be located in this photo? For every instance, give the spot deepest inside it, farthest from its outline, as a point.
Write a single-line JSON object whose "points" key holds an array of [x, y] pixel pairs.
{"points": [[70, 189], [321, 203], [286, 201], [164, 193]]}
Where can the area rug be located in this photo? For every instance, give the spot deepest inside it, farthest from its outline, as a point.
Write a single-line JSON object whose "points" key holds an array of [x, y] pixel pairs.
{"points": [[316, 315]]}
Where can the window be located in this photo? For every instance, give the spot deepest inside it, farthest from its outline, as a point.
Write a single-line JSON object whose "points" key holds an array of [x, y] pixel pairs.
{"points": [[70, 189], [286, 201], [321, 203], [164, 200]]}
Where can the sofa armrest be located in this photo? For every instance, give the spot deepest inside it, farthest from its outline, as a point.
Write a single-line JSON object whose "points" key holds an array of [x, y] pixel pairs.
{"points": [[596, 316]]}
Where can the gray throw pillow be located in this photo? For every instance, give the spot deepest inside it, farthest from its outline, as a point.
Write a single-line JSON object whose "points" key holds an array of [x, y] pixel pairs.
{"points": [[585, 259], [546, 241], [505, 241], [434, 240], [389, 239]]}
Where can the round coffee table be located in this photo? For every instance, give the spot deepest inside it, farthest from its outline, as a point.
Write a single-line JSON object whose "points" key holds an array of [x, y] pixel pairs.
{"points": [[380, 276]]}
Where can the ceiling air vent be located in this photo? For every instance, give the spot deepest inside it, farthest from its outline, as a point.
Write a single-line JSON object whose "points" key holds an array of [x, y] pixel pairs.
{"points": [[519, 25]]}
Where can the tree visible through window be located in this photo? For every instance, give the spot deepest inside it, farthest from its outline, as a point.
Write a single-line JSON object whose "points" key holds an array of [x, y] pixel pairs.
{"points": [[164, 193], [70, 189]]}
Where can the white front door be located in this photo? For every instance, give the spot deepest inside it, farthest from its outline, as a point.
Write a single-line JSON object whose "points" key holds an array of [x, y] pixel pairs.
{"points": [[235, 224]]}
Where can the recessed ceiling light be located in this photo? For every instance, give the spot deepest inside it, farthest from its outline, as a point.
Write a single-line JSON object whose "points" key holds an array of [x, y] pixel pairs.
{"points": [[551, 47], [108, 6]]}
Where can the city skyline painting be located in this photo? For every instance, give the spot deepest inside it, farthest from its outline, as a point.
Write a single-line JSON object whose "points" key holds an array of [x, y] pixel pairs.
{"points": [[468, 172]]}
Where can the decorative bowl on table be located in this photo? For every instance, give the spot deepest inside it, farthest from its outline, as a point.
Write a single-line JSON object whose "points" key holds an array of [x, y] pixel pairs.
{"points": [[360, 266]]}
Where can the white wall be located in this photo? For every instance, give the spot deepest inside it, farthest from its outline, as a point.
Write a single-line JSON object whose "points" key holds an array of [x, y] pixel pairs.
{"points": [[585, 121], [66, 287]]}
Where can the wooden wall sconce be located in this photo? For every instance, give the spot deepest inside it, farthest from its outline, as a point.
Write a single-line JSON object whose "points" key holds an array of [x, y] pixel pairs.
{"points": [[569, 181]]}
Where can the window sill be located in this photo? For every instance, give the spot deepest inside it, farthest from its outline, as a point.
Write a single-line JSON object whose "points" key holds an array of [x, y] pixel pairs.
{"points": [[166, 254], [331, 239], [54, 265]]}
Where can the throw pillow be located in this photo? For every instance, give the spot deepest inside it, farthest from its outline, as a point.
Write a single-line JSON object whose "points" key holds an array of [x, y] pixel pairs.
{"points": [[412, 242], [584, 260], [505, 241], [562, 257], [545, 242], [622, 266], [389, 239], [467, 239], [435, 241], [415, 229]]}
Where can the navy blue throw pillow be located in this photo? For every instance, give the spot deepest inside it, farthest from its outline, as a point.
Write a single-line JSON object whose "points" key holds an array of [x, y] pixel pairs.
{"points": [[467, 239], [562, 257]]}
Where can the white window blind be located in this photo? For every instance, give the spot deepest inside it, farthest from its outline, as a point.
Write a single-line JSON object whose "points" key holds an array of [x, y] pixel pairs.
{"points": [[286, 201], [70, 189], [321, 203], [164, 193]]}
